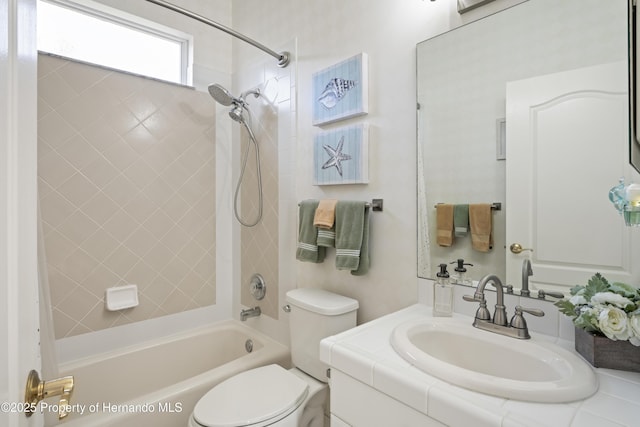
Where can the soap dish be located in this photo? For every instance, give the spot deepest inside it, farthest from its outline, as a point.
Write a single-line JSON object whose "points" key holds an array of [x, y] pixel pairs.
{"points": [[121, 297]]}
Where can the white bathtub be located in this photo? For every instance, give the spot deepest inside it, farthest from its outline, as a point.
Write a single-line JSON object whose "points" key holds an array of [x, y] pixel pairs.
{"points": [[158, 383]]}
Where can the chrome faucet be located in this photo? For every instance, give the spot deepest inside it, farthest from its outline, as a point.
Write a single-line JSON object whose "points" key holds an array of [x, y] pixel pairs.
{"points": [[526, 272], [516, 328], [250, 312]]}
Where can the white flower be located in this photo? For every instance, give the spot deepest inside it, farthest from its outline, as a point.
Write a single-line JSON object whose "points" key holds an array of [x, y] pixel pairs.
{"points": [[634, 328], [610, 298], [577, 300], [613, 323], [594, 311]]}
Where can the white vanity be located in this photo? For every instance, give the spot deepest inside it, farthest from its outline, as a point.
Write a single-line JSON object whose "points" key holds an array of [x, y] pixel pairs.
{"points": [[371, 385]]}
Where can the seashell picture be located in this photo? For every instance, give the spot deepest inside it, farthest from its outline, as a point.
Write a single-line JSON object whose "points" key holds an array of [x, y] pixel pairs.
{"points": [[340, 91]]}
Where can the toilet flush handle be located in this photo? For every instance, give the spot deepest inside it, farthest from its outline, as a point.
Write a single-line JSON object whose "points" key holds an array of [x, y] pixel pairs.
{"points": [[286, 308]]}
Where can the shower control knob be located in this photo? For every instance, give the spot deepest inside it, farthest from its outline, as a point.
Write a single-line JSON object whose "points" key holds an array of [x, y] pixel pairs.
{"points": [[258, 287]]}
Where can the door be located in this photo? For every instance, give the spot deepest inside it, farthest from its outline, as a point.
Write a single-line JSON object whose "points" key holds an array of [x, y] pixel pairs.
{"points": [[19, 351], [568, 136]]}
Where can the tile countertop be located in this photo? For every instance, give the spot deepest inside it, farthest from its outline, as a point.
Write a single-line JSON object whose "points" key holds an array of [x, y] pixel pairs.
{"points": [[365, 353]]}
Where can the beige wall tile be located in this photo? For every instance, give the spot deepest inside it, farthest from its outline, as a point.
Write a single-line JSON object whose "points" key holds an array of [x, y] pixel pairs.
{"points": [[126, 184]]}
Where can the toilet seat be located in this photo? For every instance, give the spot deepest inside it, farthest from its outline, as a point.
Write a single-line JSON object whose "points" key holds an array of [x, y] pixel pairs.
{"points": [[253, 398]]}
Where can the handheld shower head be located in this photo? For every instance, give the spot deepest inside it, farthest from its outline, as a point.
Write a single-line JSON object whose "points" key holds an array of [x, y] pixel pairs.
{"points": [[222, 95], [238, 107]]}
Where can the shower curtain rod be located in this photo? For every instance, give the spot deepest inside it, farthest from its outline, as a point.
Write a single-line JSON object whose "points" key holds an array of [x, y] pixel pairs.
{"points": [[282, 57]]}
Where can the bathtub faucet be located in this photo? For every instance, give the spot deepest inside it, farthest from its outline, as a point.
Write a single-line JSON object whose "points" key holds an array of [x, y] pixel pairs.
{"points": [[250, 312]]}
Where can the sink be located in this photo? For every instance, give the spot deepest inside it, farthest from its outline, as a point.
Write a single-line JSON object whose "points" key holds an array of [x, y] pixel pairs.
{"points": [[532, 370]]}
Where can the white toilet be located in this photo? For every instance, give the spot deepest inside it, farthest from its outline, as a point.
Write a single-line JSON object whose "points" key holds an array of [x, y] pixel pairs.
{"points": [[271, 395]]}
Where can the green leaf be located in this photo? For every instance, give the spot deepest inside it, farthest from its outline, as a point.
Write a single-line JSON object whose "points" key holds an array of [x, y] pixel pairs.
{"points": [[577, 290], [585, 322], [625, 290], [596, 284], [566, 308]]}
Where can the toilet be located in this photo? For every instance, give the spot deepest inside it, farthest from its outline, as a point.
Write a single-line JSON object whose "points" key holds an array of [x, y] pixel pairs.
{"points": [[271, 395]]}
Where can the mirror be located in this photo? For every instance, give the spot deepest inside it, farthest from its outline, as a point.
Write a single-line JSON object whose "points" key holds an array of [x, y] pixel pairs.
{"points": [[461, 80], [634, 45]]}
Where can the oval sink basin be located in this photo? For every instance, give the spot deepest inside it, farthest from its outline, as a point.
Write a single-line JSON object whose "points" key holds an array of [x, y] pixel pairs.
{"points": [[532, 370]]}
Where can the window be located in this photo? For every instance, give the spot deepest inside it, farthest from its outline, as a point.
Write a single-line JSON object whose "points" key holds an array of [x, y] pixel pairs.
{"points": [[94, 33]]}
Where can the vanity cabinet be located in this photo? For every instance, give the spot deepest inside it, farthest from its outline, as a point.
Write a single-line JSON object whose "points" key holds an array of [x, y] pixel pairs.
{"points": [[356, 404]]}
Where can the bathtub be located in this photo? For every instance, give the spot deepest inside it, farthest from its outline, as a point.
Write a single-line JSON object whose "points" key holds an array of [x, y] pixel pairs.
{"points": [[158, 383]]}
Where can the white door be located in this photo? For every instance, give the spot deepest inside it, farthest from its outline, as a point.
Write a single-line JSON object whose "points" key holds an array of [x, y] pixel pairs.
{"points": [[19, 351], [567, 145]]}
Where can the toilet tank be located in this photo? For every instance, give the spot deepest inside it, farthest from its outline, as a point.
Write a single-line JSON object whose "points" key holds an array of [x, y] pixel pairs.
{"points": [[316, 314]]}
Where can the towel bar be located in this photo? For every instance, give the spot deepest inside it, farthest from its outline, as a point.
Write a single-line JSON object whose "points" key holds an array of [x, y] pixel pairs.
{"points": [[495, 206], [376, 205]]}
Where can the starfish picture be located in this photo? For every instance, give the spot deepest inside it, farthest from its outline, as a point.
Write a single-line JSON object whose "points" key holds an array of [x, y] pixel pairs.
{"points": [[336, 157]]}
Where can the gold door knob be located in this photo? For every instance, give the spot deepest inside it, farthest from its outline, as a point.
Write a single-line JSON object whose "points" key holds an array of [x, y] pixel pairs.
{"points": [[36, 390], [516, 248]]}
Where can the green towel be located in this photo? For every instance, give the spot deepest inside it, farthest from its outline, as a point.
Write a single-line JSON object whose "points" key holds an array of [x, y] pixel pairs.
{"points": [[349, 226], [460, 220], [327, 238], [308, 249], [363, 266]]}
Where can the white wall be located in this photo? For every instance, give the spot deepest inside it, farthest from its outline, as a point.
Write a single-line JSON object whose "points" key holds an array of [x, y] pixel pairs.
{"points": [[328, 32]]}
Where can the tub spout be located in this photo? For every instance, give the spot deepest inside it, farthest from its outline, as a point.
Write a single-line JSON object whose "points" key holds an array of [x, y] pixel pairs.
{"points": [[250, 312]]}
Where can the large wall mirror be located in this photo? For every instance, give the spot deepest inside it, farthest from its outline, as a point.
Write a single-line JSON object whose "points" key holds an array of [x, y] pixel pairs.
{"points": [[466, 140], [634, 48]]}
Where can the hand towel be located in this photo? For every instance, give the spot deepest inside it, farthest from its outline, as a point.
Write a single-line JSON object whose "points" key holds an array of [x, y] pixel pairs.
{"points": [[363, 266], [460, 220], [325, 214], [481, 220], [349, 232], [308, 249], [444, 224]]}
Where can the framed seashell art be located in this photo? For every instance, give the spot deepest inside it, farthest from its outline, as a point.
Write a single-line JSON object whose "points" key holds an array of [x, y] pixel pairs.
{"points": [[341, 91], [341, 156]]}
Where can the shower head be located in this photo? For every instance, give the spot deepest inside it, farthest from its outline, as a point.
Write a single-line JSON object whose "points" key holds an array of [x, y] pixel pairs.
{"points": [[222, 95]]}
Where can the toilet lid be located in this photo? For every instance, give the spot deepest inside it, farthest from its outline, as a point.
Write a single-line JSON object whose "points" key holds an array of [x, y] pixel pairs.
{"points": [[251, 397]]}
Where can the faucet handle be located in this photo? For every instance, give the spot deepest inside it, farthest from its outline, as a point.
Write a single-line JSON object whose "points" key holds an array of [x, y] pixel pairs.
{"points": [[533, 311], [472, 298], [482, 313], [542, 294], [518, 321]]}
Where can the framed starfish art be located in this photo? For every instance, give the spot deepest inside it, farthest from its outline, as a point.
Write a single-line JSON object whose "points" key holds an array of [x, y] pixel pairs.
{"points": [[341, 156], [341, 91]]}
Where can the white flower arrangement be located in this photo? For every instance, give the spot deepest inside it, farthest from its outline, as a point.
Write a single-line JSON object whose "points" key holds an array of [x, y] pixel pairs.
{"points": [[612, 309]]}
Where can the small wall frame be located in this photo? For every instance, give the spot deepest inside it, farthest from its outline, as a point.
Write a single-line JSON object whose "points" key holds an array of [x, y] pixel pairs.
{"points": [[341, 156], [341, 91]]}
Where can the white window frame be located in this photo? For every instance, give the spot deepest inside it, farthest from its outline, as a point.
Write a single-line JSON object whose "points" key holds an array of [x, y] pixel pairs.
{"points": [[119, 17]]}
